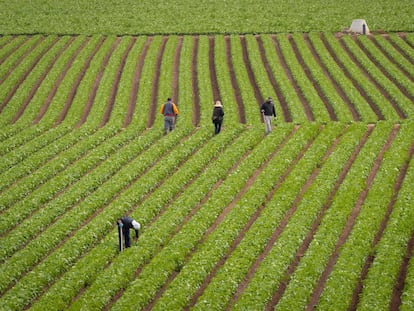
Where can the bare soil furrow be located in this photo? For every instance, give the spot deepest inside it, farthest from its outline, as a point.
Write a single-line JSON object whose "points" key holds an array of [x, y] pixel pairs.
{"points": [[155, 83], [195, 87], [396, 297], [399, 49], [387, 75], [256, 90], [341, 93], [26, 74], [212, 66], [53, 91], [308, 111], [135, 82], [306, 242], [357, 86], [312, 80], [96, 83], [313, 301], [22, 58], [176, 71], [282, 100], [16, 48], [78, 80], [115, 84], [234, 84], [39, 81], [391, 59]]}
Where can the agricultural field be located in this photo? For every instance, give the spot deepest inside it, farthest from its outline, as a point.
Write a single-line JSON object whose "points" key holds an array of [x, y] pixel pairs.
{"points": [[316, 215]]}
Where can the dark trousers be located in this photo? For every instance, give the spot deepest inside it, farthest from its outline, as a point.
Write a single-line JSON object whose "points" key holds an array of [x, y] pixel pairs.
{"points": [[127, 236], [217, 127]]}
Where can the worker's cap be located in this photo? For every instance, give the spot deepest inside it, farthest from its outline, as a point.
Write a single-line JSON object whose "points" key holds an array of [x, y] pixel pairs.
{"points": [[136, 225]]}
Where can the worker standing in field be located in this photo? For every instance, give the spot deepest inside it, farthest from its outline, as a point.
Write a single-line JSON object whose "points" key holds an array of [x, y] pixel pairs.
{"points": [[170, 112], [268, 111], [126, 223], [217, 117]]}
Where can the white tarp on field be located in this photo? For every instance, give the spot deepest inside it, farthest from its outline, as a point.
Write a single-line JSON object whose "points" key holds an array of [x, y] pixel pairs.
{"points": [[359, 26]]}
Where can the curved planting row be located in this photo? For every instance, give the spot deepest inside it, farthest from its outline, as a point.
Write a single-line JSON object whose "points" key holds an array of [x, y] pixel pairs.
{"points": [[67, 79], [315, 212], [255, 217]]}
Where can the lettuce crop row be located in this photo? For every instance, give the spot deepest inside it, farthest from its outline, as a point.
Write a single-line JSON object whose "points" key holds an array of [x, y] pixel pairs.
{"points": [[227, 93], [359, 81], [275, 60], [400, 85], [23, 152], [339, 110], [397, 52], [191, 231], [39, 94], [250, 103], [167, 205], [178, 200], [273, 269], [305, 277], [358, 245], [228, 276], [355, 98], [9, 65], [20, 93], [313, 100], [89, 232], [87, 88], [214, 243], [36, 168], [362, 63]]}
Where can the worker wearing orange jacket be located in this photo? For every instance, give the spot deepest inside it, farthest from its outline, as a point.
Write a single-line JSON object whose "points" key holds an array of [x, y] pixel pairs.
{"points": [[170, 112]]}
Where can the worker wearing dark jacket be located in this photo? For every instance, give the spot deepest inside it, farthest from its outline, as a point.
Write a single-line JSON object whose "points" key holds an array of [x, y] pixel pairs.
{"points": [[268, 111], [217, 117], [127, 224]]}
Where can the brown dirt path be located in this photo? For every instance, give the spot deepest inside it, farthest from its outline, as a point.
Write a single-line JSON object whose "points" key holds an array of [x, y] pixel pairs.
{"points": [[223, 215], [250, 73], [155, 83], [6, 42], [396, 297], [13, 50], [78, 80], [212, 66], [360, 90], [176, 72], [305, 105], [26, 74], [314, 299], [390, 58], [306, 242], [36, 86], [390, 99], [341, 93], [194, 77], [312, 80], [96, 83], [95, 214], [53, 91], [115, 84], [135, 82], [22, 57], [282, 100], [234, 84], [399, 49]]}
